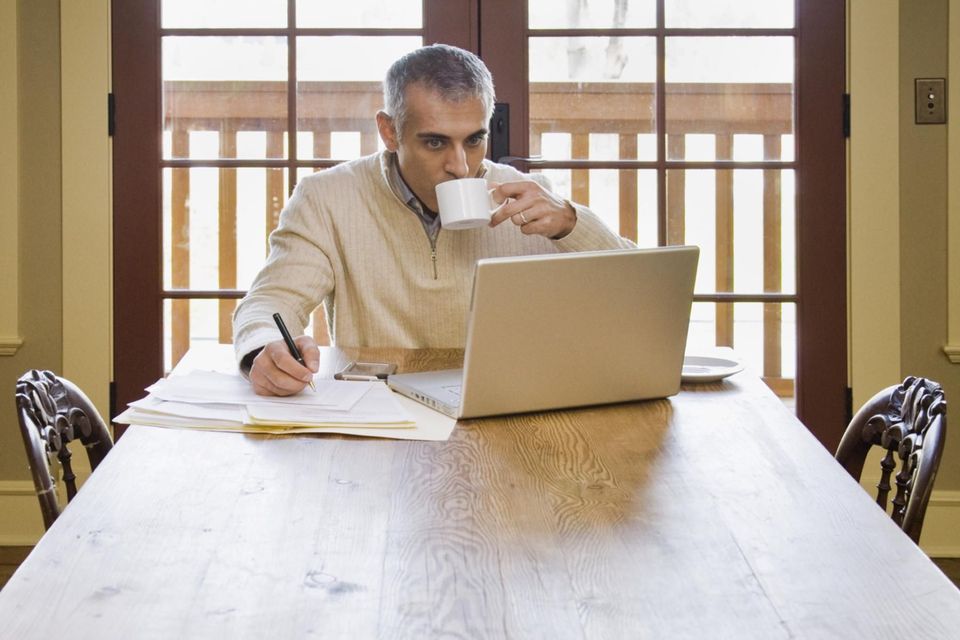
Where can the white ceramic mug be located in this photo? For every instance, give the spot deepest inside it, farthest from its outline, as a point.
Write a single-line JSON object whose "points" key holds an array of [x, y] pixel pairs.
{"points": [[465, 203]]}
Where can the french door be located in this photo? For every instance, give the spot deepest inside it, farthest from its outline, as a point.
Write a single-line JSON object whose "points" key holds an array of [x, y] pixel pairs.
{"points": [[717, 123]]}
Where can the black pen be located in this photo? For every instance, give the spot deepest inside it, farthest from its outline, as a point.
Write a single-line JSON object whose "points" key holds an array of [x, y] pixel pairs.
{"points": [[291, 345]]}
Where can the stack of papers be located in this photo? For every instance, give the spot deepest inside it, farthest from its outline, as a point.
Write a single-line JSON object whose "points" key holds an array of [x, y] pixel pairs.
{"points": [[223, 402]]}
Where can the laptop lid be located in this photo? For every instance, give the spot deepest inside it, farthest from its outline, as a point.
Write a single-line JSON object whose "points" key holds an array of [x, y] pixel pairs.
{"points": [[565, 330]]}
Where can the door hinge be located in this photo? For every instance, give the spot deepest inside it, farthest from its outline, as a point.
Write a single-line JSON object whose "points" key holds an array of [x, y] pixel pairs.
{"points": [[500, 131], [112, 402], [111, 115], [846, 115], [848, 405]]}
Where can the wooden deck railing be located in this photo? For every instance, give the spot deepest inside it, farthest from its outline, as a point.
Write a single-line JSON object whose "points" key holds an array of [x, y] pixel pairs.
{"points": [[624, 109]]}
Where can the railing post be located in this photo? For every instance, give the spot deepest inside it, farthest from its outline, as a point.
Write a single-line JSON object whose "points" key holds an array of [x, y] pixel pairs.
{"points": [[321, 143], [321, 149], [180, 244], [536, 139], [580, 181], [772, 269], [275, 195], [628, 187], [676, 191], [227, 233], [368, 141], [724, 239]]}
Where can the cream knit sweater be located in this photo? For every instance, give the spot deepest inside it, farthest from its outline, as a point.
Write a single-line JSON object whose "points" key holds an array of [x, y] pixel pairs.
{"points": [[345, 239]]}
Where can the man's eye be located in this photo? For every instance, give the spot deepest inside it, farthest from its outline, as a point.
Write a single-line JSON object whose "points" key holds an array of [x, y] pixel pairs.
{"points": [[476, 141], [434, 143]]}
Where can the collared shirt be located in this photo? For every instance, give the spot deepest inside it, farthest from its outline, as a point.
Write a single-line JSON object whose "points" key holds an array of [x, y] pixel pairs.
{"points": [[429, 219]]}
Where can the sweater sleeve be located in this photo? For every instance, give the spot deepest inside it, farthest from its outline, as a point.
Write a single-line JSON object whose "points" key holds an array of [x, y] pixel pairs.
{"points": [[295, 279], [591, 234]]}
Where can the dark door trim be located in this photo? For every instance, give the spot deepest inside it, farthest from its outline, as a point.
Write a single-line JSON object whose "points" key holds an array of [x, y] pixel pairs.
{"points": [[137, 268], [822, 220]]}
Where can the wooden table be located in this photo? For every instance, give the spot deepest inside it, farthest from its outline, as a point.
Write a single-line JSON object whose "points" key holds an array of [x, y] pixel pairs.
{"points": [[713, 514]]}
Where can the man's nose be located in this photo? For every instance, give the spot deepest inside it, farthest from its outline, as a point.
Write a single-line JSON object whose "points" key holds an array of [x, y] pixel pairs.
{"points": [[457, 162]]}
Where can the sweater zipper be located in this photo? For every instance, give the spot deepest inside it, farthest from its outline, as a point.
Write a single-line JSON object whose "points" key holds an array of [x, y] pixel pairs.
{"points": [[433, 254]]}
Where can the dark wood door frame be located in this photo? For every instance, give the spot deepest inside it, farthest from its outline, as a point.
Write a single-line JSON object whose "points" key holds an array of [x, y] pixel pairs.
{"points": [[822, 395], [137, 266]]}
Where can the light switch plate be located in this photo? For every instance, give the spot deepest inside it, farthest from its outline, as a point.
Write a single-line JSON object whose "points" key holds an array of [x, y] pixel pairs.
{"points": [[931, 100]]}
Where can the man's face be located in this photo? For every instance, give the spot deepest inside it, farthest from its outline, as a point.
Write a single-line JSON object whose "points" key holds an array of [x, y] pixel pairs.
{"points": [[441, 141]]}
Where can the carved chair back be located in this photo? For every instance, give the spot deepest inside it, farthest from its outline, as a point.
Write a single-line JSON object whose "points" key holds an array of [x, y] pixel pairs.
{"points": [[53, 412], [908, 421]]}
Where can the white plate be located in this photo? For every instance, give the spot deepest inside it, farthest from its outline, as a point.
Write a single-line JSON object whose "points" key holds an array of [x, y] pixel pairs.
{"points": [[708, 369]]}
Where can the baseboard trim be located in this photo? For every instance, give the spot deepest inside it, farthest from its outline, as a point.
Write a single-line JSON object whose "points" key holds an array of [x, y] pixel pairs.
{"points": [[941, 524], [22, 524]]}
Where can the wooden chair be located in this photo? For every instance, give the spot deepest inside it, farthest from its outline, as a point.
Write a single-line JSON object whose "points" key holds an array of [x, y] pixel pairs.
{"points": [[909, 420], [53, 412]]}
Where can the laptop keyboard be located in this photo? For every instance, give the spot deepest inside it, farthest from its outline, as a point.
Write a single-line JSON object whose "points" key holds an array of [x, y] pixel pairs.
{"points": [[452, 389]]}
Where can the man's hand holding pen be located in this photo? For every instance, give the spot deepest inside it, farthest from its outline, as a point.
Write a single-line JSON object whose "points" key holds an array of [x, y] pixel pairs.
{"points": [[284, 367], [276, 372]]}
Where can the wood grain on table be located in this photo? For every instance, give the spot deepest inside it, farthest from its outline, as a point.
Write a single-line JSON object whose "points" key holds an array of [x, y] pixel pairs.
{"points": [[712, 514]]}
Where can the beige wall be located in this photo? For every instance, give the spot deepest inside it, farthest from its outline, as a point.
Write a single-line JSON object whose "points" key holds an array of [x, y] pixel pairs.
{"points": [[10, 180], [39, 248], [58, 78], [923, 215], [873, 195], [898, 223]]}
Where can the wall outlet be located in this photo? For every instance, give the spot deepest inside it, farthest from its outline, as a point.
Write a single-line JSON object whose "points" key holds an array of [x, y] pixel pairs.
{"points": [[931, 105]]}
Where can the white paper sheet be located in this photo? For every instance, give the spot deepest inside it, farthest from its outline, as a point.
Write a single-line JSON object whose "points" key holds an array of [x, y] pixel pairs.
{"points": [[229, 412], [209, 387], [429, 425], [378, 406], [201, 399]]}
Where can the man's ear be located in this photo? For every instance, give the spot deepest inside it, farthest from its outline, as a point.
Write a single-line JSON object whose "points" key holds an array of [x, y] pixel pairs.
{"points": [[388, 132]]}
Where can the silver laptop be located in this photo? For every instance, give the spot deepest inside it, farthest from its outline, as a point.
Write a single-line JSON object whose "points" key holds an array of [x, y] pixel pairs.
{"points": [[567, 330]]}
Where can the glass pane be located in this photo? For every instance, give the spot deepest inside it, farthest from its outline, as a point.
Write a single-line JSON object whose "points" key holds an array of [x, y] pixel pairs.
{"points": [[626, 200], [592, 14], [588, 60], [584, 99], [216, 223], [729, 13], [730, 85], [224, 85], [192, 323], [763, 335], [744, 223], [395, 14], [223, 14], [339, 91]]}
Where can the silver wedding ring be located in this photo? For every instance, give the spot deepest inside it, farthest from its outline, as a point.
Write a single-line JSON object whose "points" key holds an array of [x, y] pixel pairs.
{"points": [[523, 219]]}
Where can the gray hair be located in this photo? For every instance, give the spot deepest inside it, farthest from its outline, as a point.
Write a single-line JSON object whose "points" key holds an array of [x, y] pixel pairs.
{"points": [[452, 72]]}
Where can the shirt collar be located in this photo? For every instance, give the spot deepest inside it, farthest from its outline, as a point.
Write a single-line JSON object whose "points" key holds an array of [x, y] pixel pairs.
{"points": [[400, 188], [402, 191]]}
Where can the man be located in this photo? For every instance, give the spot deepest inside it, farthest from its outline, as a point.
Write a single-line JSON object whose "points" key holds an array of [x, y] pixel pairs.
{"points": [[364, 237]]}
